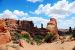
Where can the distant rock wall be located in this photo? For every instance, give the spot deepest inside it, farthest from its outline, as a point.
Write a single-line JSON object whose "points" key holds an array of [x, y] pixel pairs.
{"points": [[25, 25], [13, 24]]}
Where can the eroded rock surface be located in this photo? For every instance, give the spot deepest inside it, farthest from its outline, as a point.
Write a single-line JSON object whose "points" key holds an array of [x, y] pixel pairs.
{"points": [[52, 27], [4, 33]]}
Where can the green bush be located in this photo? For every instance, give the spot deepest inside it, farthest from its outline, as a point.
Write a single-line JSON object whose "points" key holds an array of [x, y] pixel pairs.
{"points": [[38, 39], [18, 36], [49, 37], [26, 37], [73, 34]]}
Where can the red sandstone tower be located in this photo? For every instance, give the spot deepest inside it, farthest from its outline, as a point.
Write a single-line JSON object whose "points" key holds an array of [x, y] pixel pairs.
{"points": [[52, 27]]}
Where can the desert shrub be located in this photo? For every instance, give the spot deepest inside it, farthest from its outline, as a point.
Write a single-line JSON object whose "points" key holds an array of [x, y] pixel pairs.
{"points": [[26, 37], [73, 34], [16, 37], [38, 39], [49, 37]]}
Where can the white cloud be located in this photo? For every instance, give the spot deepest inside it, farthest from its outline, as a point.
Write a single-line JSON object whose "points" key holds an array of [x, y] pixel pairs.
{"points": [[34, 1], [8, 14], [60, 9], [16, 14], [19, 13]]}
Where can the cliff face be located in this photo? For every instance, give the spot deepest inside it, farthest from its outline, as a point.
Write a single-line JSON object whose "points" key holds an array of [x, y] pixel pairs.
{"points": [[4, 33], [25, 25], [52, 27], [18, 25], [11, 24]]}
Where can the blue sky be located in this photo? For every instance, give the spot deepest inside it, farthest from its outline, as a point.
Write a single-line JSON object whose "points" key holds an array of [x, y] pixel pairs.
{"points": [[40, 11], [22, 5]]}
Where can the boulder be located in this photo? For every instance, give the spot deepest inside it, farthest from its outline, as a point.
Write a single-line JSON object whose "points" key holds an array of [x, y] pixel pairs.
{"points": [[24, 32], [4, 39]]}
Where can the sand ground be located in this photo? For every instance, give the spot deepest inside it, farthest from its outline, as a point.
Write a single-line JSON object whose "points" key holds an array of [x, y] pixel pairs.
{"points": [[50, 46], [45, 46]]}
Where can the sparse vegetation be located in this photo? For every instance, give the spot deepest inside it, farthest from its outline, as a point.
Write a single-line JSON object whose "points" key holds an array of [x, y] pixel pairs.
{"points": [[49, 37], [16, 37], [38, 39], [73, 34], [26, 37]]}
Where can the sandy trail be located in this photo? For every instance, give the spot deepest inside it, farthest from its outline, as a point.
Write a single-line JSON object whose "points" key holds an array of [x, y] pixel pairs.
{"points": [[50, 46]]}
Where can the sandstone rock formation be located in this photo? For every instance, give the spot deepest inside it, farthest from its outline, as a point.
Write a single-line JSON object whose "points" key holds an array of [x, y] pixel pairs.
{"points": [[18, 25], [52, 27], [25, 25], [11, 24], [4, 33]]}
